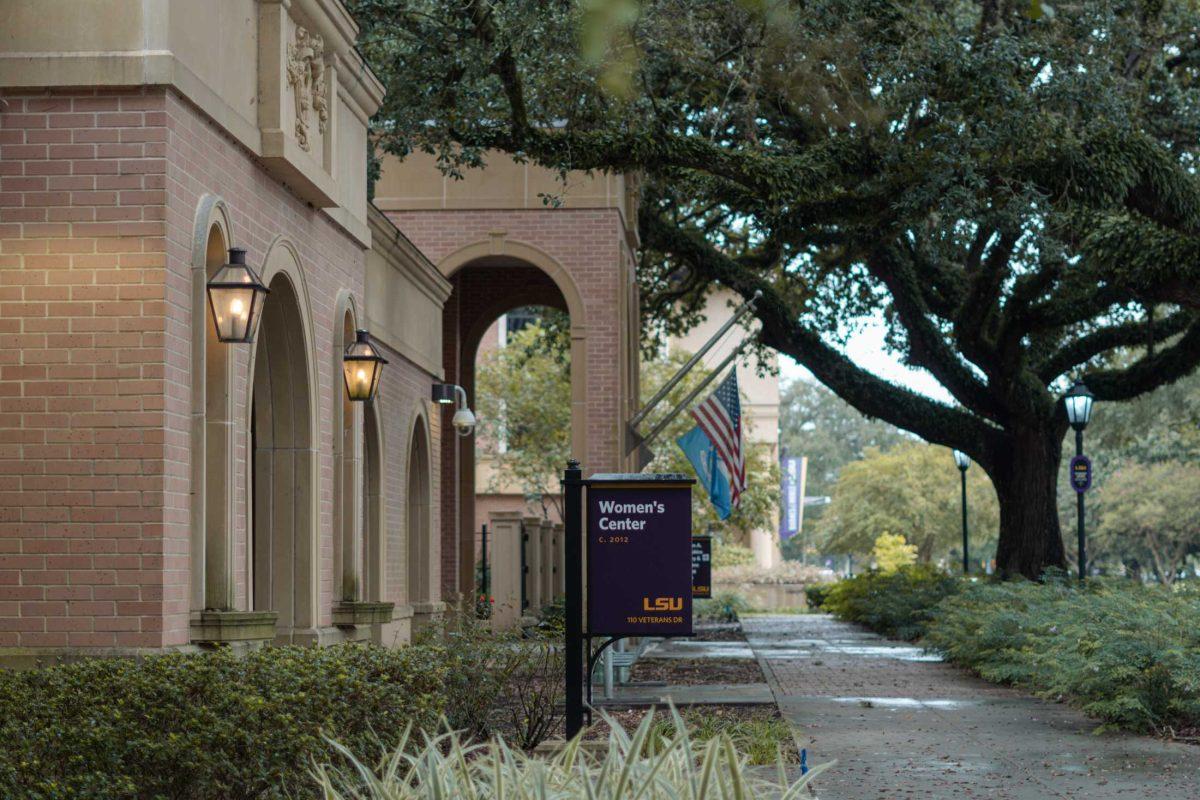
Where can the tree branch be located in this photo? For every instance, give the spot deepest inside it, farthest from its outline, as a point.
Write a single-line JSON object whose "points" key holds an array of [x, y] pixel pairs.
{"points": [[1149, 372], [1081, 350], [781, 331]]}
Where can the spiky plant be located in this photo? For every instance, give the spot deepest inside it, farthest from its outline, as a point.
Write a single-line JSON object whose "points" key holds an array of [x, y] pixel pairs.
{"points": [[447, 766]]}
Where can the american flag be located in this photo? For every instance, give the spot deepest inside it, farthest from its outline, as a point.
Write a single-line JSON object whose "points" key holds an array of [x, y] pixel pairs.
{"points": [[720, 417]]}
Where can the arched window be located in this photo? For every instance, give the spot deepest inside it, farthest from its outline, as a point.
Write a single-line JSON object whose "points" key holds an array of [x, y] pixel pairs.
{"points": [[418, 512]]}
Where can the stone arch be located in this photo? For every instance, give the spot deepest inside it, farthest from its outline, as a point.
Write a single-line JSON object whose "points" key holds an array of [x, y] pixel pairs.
{"points": [[419, 534], [534, 278], [283, 453], [212, 429], [348, 564]]}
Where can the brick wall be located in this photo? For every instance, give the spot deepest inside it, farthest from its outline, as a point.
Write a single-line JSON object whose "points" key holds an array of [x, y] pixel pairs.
{"points": [[98, 197], [82, 414]]}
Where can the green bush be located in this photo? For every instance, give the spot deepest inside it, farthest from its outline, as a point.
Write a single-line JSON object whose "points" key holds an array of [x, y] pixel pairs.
{"points": [[723, 607], [815, 594], [897, 604], [1125, 653], [731, 555], [214, 725]]}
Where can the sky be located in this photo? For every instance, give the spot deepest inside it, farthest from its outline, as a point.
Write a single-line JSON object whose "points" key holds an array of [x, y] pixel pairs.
{"points": [[866, 349]]}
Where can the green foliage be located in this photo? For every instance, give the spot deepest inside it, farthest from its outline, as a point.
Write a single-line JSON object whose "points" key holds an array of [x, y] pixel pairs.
{"points": [[1149, 516], [731, 555], [675, 767], [891, 552], [912, 490], [816, 423], [209, 726], [1125, 653], [497, 681], [523, 400], [815, 595], [898, 604], [761, 739], [721, 607]]}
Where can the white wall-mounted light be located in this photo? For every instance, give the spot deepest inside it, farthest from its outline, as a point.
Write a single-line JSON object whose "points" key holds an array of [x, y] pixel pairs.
{"points": [[464, 420]]}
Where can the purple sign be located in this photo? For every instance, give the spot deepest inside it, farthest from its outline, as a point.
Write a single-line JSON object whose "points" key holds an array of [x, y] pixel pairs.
{"points": [[639, 556], [1081, 474]]}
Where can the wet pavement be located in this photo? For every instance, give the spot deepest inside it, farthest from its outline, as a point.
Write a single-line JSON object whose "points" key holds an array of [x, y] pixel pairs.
{"points": [[904, 725]]}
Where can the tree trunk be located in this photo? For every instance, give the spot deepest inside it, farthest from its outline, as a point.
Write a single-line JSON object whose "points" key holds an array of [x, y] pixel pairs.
{"points": [[1025, 474]]}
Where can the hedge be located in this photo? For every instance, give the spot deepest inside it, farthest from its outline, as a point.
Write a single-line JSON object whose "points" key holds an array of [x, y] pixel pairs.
{"points": [[214, 725]]}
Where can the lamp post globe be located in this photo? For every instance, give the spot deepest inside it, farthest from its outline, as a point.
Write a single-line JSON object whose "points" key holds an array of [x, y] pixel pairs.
{"points": [[362, 364], [1078, 403], [963, 461], [235, 297]]}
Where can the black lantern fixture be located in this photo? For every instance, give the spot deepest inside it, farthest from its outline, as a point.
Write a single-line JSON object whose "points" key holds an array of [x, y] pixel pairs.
{"points": [[236, 295], [1078, 402], [362, 365], [963, 462]]}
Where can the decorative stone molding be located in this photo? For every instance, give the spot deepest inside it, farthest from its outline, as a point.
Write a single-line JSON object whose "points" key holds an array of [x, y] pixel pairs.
{"points": [[349, 613], [220, 627], [306, 76]]}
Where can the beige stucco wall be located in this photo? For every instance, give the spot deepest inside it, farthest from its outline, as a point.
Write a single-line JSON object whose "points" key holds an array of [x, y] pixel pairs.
{"points": [[228, 57]]}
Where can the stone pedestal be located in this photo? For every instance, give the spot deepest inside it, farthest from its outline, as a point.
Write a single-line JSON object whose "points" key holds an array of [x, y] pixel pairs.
{"points": [[560, 561], [504, 553]]}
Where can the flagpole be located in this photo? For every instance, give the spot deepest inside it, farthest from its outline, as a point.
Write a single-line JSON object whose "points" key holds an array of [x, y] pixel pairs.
{"points": [[670, 417]]}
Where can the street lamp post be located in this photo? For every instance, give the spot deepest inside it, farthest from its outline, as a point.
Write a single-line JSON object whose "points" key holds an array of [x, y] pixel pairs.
{"points": [[1078, 402], [963, 461]]}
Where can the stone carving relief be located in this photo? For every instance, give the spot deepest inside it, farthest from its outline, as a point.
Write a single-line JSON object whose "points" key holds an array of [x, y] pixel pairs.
{"points": [[306, 76]]}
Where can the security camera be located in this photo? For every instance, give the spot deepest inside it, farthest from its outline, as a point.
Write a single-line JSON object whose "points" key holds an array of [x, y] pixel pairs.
{"points": [[464, 421]]}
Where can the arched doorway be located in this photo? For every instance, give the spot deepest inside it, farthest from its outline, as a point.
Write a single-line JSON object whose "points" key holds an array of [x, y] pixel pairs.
{"points": [[283, 457], [486, 285]]}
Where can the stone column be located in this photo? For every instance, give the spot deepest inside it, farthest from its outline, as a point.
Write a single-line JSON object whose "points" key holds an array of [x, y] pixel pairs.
{"points": [[547, 562], [533, 566], [504, 553]]}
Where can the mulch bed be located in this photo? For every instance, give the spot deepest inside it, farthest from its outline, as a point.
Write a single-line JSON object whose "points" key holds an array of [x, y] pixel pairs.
{"points": [[722, 633], [696, 671]]}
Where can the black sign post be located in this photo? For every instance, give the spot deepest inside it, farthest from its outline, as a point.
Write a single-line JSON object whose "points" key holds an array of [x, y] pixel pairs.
{"points": [[701, 567], [639, 530]]}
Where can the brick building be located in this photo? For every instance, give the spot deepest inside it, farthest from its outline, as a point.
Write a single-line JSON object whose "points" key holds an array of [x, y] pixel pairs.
{"points": [[160, 488]]}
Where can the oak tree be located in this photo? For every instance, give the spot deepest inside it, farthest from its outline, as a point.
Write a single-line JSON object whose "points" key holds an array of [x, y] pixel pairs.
{"points": [[1014, 190]]}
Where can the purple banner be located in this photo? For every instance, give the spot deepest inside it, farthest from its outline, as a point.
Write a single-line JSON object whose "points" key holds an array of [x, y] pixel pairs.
{"points": [[1081, 474], [639, 559], [793, 496]]}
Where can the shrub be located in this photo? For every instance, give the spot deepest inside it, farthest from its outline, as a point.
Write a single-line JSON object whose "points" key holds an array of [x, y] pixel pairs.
{"points": [[815, 594], [1125, 653], [208, 725], [895, 604], [722, 607], [892, 551], [731, 555], [447, 767]]}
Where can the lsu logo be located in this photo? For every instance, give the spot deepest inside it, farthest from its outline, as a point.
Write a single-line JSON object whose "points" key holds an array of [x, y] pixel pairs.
{"points": [[662, 604]]}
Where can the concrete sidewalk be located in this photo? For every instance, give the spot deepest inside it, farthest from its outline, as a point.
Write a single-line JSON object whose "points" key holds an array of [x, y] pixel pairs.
{"points": [[904, 725]]}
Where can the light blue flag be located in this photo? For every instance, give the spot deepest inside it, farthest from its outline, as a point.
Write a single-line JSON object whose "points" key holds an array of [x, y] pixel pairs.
{"points": [[709, 468]]}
